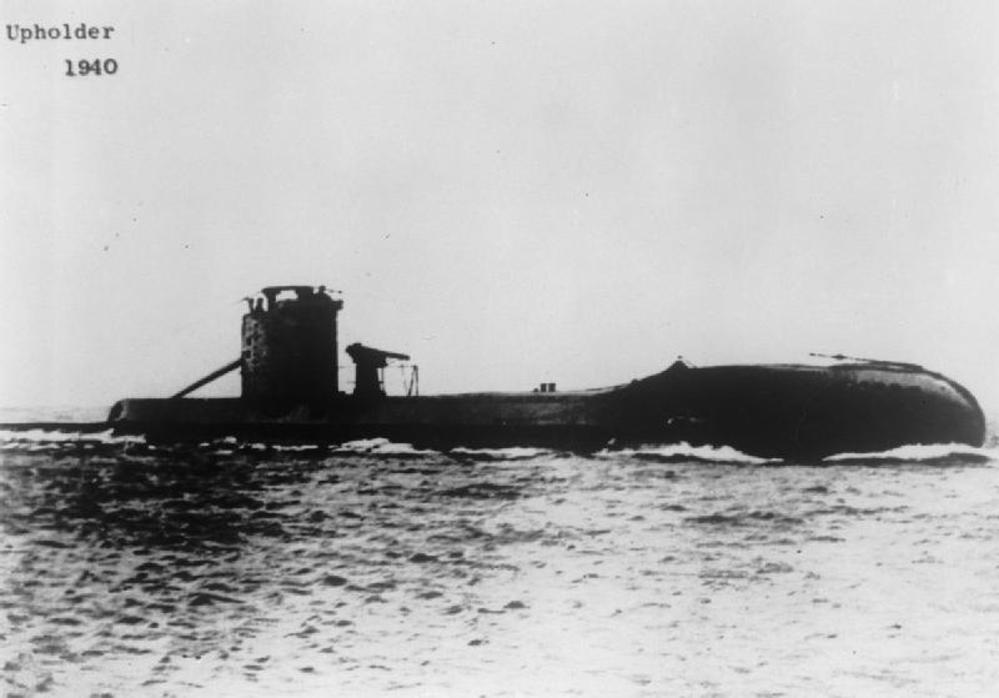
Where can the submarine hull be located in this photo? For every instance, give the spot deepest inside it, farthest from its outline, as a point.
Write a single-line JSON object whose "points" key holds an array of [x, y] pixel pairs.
{"points": [[773, 411]]}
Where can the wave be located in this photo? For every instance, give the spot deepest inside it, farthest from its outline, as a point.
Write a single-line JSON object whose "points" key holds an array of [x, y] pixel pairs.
{"points": [[918, 453], [380, 447], [684, 452], [46, 439], [509, 453], [368, 447], [922, 453], [51, 439], [39, 439]]}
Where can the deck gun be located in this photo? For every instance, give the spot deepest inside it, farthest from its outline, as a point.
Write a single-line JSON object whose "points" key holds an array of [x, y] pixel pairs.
{"points": [[367, 362]]}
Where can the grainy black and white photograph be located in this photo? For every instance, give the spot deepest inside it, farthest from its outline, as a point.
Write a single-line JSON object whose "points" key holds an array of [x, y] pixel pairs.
{"points": [[499, 349]]}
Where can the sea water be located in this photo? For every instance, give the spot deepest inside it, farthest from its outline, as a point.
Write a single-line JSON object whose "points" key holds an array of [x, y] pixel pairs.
{"points": [[234, 568]]}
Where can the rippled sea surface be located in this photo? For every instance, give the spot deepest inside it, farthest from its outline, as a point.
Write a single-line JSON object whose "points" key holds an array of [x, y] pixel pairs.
{"points": [[235, 569]]}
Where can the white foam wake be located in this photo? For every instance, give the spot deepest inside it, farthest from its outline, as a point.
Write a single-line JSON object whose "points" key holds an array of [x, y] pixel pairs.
{"points": [[380, 447], [684, 451], [921, 452], [509, 453], [50, 439]]}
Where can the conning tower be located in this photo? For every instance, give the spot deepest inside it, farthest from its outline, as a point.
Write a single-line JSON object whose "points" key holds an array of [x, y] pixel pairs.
{"points": [[289, 347]]}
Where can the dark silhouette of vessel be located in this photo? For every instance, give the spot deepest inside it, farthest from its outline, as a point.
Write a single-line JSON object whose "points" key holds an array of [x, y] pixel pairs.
{"points": [[290, 390]]}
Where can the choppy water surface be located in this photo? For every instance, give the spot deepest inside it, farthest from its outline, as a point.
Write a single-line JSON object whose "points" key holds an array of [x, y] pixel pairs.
{"points": [[231, 569]]}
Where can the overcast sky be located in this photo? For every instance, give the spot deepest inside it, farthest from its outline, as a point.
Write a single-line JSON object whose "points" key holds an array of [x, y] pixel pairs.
{"points": [[510, 192]]}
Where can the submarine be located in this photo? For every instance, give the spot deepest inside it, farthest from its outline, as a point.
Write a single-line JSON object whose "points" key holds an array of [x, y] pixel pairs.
{"points": [[290, 390]]}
